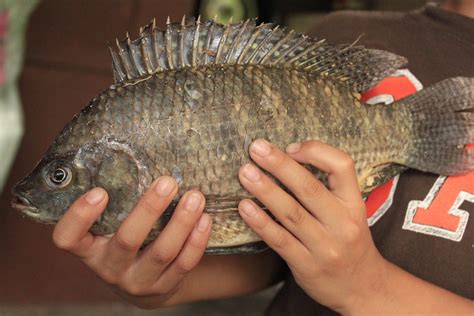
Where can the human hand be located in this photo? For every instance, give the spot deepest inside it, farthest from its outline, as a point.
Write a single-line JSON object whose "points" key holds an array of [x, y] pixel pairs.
{"points": [[147, 278], [322, 232]]}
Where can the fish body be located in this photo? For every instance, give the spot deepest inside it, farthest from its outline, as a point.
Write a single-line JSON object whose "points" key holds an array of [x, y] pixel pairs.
{"points": [[177, 110]]}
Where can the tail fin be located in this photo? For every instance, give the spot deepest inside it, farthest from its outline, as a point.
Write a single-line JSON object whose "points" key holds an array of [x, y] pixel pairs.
{"points": [[442, 125]]}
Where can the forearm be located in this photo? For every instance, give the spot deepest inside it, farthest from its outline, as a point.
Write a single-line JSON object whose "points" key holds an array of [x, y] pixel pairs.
{"points": [[398, 292], [221, 277]]}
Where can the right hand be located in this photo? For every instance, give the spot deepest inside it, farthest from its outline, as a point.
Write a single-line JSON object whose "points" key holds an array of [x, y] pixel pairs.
{"points": [[147, 278]]}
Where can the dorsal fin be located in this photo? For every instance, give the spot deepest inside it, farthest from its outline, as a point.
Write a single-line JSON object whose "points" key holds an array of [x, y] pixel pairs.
{"points": [[192, 43]]}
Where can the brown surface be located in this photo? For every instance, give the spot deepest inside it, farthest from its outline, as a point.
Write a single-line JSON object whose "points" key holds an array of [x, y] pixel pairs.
{"points": [[67, 64]]}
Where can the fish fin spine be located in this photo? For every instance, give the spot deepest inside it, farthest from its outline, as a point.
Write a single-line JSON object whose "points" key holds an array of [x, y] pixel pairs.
{"points": [[192, 43]]}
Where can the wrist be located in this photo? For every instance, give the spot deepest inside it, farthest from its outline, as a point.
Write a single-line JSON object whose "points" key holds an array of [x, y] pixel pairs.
{"points": [[371, 288]]}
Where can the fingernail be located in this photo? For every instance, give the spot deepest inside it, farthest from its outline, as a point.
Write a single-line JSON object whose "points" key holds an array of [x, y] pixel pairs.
{"points": [[192, 202], [261, 148], [164, 187], [248, 208], [94, 196], [292, 148], [251, 172], [204, 223]]}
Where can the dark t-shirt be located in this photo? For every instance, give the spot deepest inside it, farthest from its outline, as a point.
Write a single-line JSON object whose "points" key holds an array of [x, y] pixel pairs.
{"points": [[423, 223]]}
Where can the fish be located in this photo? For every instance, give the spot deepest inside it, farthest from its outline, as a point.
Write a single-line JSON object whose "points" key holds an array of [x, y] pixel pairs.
{"points": [[189, 99]]}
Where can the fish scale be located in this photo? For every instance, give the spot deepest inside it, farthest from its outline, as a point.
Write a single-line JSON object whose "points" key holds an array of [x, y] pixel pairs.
{"points": [[188, 101]]}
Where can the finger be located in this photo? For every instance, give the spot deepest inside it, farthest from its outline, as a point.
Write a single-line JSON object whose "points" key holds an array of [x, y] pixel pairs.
{"points": [[190, 255], [274, 235], [302, 183], [159, 255], [126, 242], [72, 231], [284, 207], [342, 177]]}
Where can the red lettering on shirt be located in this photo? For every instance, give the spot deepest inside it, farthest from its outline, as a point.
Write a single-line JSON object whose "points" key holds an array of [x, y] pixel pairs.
{"points": [[439, 213]]}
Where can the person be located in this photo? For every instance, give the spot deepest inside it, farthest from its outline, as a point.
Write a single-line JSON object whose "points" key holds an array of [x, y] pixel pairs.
{"points": [[323, 248]]}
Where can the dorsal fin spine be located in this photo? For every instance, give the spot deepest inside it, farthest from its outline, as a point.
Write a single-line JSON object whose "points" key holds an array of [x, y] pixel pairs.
{"points": [[304, 52], [249, 43], [207, 45], [197, 44], [169, 44], [289, 51], [136, 56], [119, 73], [276, 47], [262, 44], [126, 60], [237, 40], [222, 44], [196, 41], [181, 42], [147, 49]]}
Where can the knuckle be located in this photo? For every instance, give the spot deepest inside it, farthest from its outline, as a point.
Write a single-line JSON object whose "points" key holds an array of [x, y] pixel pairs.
{"points": [[124, 244], [280, 241], [168, 289], [109, 276], [82, 216], [161, 258], [197, 243], [184, 267], [148, 206], [346, 163], [263, 222], [279, 160], [295, 215], [352, 233], [332, 257], [311, 187], [135, 289], [61, 242], [184, 219]]}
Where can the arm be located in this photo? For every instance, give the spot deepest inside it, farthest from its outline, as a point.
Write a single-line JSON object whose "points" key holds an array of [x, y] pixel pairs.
{"points": [[323, 235], [169, 270], [400, 293]]}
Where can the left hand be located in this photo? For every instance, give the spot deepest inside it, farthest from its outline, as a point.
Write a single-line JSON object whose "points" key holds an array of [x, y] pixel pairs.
{"points": [[322, 232]]}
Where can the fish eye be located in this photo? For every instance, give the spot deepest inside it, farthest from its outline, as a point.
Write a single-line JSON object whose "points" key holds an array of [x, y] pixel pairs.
{"points": [[59, 177]]}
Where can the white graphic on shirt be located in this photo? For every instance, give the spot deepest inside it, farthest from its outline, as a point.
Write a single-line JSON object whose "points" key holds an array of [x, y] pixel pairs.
{"points": [[455, 235], [405, 72], [385, 205]]}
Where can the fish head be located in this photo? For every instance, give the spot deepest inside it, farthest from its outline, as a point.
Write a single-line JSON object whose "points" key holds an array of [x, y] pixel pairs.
{"points": [[47, 192], [59, 179]]}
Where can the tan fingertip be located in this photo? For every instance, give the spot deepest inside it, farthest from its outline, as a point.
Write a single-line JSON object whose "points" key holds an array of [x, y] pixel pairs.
{"points": [[248, 208], [293, 148], [261, 147], [204, 223], [193, 201], [95, 196], [251, 173], [165, 186]]}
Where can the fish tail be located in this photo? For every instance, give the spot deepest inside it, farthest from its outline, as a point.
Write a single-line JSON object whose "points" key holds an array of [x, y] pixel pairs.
{"points": [[442, 127]]}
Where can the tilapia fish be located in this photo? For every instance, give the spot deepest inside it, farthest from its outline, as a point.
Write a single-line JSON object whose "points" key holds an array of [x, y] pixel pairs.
{"points": [[188, 100]]}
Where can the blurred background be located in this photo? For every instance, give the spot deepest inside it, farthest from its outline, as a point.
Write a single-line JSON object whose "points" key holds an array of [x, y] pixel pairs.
{"points": [[53, 61]]}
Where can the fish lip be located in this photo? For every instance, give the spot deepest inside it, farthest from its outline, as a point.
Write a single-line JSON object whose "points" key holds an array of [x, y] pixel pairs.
{"points": [[23, 205]]}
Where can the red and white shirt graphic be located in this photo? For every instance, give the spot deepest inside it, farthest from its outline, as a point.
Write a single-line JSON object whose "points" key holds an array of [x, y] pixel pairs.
{"points": [[439, 213]]}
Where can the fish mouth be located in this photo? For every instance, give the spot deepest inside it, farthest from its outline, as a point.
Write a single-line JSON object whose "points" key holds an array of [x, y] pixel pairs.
{"points": [[23, 205]]}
